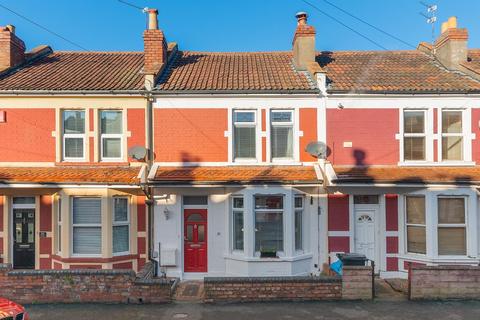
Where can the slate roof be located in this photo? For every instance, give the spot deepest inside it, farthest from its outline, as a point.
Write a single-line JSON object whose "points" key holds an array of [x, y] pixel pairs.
{"points": [[71, 175], [63, 70], [236, 175], [407, 175]]}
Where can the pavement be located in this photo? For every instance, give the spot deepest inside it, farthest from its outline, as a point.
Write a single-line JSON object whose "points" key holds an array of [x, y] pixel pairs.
{"points": [[372, 310]]}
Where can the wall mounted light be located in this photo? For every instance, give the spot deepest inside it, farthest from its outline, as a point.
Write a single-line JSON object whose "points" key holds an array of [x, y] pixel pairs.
{"points": [[166, 212]]}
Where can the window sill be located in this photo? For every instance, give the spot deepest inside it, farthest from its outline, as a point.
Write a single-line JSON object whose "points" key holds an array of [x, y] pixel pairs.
{"points": [[436, 164], [439, 259], [243, 258]]}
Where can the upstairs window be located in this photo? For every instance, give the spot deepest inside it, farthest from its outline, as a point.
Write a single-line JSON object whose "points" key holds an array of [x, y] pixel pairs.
{"points": [[111, 135], [414, 135], [281, 138], [244, 135], [452, 135], [73, 135]]}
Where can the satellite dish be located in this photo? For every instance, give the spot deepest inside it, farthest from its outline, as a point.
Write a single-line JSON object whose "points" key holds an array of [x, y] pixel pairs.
{"points": [[137, 152], [317, 149]]}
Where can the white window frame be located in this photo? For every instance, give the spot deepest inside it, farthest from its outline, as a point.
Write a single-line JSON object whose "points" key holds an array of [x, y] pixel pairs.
{"points": [[415, 135], [254, 124], [415, 224], [74, 136], [302, 230], [453, 225], [255, 210], [465, 135], [242, 210], [104, 136], [83, 225], [121, 223], [59, 225], [291, 124]]}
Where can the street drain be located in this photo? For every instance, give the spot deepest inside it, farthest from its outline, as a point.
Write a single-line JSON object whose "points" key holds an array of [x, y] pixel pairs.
{"points": [[180, 316]]}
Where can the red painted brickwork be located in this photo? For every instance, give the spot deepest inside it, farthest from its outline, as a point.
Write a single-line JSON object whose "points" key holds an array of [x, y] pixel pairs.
{"points": [[45, 263], [141, 214], [27, 135], [476, 131], [338, 213], [57, 266], [190, 135], [46, 213], [371, 131], [338, 244], [82, 286], [142, 245], [85, 266], [392, 244], [392, 264], [391, 207], [136, 125], [308, 124], [1, 212], [444, 282], [45, 245], [123, 265]]}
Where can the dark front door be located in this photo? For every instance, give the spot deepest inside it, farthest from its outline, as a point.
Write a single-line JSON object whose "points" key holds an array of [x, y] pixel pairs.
{"points": [[195, 243], [24, 238]]}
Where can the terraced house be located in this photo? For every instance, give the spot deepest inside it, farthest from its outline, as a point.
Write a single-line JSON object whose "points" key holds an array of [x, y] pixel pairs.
{"points": [[232, 189]]}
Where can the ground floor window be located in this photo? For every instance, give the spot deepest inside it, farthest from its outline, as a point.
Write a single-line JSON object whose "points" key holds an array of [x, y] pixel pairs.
{"points": [[416, 225], [237, 219], [87, 225], [268, 223], [298, 223], [452, 234], [121, 226]]}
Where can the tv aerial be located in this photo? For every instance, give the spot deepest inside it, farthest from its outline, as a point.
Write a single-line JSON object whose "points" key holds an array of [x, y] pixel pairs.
{"points": [[431, 16]]}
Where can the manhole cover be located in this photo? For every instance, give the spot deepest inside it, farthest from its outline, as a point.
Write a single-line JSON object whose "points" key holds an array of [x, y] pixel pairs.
{"points": [[180, 316]]}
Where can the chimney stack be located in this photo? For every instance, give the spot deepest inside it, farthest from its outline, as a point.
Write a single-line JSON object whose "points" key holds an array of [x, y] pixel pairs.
{"points": [[303, 43], [155, 46], [451, 46], [12, 48]]}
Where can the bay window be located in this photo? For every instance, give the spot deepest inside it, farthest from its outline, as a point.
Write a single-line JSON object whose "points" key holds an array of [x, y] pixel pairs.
{"points": [[121, 226], [452, 135], [59, 225], [244, 134], [73, 122], [268, 223], [111, 134], [416, 224], [238, 225], [414, 136], [452, 235], [298, 223], [281, 138], [86, 226]]}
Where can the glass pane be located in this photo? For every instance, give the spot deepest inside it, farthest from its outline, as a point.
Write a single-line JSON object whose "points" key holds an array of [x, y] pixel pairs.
{"points": [[268, 202], [195, 200], [190, 232], [87, 211], [87, 240], [282, 142], [120, 239], [269, 231], [298, 202], [452, 148], [414, 148], [59, 210], [201, 233], [416, 240], [111, 121], [237, 230], [281, 116], [298, 230], [244, 116], [452, 122], [415, 210], [195, 217], [121, 209], [451, 210], [414, 121], [112, 148], [244, 142], [59, 237], [73, 147], [31, 233], [452, 241], [365, 199], [238, 203], [74, 122], [24, 200], [18, 232]]}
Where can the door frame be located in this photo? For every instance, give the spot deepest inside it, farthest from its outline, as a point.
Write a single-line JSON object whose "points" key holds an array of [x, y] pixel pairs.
{"points": [[35, 207], [377, 228], [193, 207]]}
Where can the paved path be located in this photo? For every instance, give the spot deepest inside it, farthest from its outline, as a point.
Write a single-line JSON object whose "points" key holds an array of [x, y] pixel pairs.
{"points": [[384, 310]]}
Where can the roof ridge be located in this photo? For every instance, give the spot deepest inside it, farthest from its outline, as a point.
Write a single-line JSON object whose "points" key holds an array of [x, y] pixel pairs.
{"points": [[237, 52], [97, 52]]}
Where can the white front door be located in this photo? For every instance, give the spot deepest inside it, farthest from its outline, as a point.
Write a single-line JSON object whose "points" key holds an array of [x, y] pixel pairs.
{"points": [[365, 232]]}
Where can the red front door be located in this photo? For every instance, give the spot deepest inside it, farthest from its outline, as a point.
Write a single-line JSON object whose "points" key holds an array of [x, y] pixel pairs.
{"points": [[195, 240]]}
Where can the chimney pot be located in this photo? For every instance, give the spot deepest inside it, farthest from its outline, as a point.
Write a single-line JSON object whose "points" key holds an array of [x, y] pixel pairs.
{"points": [[451, 47], [452, 23], [301, 18], [444, 27], [11, 28], [152, 19]]}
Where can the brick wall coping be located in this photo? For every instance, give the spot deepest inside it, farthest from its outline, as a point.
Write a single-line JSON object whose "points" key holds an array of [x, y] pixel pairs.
{"points": [[71, 272], [451, 267], [156, 281], [295, 279], [357, 268]]}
